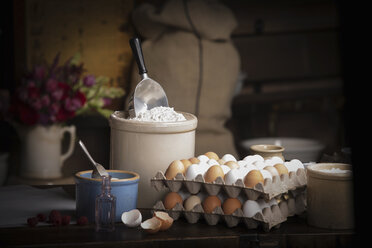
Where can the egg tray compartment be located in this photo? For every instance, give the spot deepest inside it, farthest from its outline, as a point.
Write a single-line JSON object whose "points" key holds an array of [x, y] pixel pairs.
{"points": [[267, 190], [269, 217]]}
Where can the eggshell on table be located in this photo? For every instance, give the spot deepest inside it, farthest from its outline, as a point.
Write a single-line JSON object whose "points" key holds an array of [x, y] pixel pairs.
{"points": [[252, 178], [210, 203], [230, 205], [171, 199], [174, 168], [212, 173]]}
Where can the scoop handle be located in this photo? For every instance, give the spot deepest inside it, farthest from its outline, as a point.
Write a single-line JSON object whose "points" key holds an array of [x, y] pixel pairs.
{"points": [[135, 44]]}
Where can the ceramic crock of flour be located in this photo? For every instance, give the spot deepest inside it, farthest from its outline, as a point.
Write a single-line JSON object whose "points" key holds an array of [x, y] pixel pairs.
{"points": [[146, 147], [42, 156]]}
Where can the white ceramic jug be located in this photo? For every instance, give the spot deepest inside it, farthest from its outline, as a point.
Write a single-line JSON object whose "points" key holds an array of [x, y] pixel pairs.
{"points": [[42, 157]]}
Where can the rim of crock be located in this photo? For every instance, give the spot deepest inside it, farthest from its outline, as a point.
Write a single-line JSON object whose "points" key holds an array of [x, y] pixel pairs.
{"points": [[135, 176], [267, 148], [118, 122]]}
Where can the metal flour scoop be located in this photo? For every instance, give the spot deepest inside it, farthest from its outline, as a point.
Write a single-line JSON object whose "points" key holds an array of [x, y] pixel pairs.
{"points": [[148, 93]]}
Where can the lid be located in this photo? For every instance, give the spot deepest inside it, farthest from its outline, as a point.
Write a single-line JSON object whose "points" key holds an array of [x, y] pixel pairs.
{"points": [[330, 171], [119, 120]]}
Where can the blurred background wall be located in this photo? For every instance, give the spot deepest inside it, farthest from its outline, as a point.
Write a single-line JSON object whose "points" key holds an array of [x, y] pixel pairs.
{"points": [[290, 81]]}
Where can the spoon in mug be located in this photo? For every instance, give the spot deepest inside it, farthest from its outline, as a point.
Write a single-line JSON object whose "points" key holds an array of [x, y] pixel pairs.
{"points": [[98, 170]]}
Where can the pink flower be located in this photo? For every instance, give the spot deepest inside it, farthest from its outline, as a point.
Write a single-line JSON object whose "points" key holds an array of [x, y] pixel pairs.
{"points": [[89, 80], [75, 103], [45, 100], [33, 92], [39, 72], [51, 85], [36, 104]]}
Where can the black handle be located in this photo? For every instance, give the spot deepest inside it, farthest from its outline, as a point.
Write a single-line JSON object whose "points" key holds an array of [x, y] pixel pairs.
{"points": [[135, 44]]}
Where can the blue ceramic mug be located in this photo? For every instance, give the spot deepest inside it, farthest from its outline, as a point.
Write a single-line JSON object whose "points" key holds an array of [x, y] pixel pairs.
{"points": [[125, 188]]}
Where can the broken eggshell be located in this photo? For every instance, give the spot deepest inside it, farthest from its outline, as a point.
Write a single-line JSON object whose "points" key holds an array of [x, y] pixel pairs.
{"points": [[132, 218]]}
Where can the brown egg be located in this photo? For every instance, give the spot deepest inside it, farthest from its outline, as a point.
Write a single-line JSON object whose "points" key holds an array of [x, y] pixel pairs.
{"points": [[174, 168], [210, 203], [272, 170], [252, 178], [230, 205], [212, 173], [194, 160], [232, 164], [281, 169], [212, 155], [171, 199], [186, 163]]}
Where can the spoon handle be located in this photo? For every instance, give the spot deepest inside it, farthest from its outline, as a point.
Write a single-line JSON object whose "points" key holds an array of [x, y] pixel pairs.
{"points": [[135, 44], [86, 152]]}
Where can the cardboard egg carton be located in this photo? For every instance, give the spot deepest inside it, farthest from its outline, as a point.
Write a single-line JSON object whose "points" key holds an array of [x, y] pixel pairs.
{"points": [[267, 190], [268, 218]]}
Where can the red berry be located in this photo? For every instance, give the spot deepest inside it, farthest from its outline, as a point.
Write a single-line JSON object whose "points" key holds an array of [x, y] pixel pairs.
{"points": [[82, 221], [32, 222], [54, 216], [66, 220], [41, 217]]}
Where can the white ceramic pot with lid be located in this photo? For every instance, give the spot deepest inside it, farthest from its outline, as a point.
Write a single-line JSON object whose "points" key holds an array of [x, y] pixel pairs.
{"points": [[148, 147]]}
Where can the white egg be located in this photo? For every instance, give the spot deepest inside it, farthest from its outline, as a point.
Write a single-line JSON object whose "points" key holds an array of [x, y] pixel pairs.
{"points": [[254, 158], [228, 157], [298, 163], [192, 171], [250, 159], [203, 158], [231, 176], [203, 167], [266, 174], [259, 165], [290, 166], [225, 169], [270, 162], [242, 163], [250, 167], [212, 162], [277, 159], [242, 171], [262, 203], [250, 208]]}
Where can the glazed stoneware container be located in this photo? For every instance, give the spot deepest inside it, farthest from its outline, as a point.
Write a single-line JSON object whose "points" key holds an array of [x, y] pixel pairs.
{"points": [[149, 147], [124, 188], [330, 195], [268, 151]]}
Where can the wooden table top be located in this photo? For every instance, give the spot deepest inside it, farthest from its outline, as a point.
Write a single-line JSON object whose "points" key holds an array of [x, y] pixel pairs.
{"points": [[293, 233]]}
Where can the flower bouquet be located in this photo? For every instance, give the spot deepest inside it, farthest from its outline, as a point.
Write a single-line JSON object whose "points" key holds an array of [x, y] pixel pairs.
{"points": [[46, 99], [54, 94]]}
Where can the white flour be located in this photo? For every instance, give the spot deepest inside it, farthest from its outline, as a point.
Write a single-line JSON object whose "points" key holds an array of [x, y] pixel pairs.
{"points": [[159, 114], [335, 170]]}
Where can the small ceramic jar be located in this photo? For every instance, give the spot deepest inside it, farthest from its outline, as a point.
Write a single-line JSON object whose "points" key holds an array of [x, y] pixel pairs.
{"points": [[268, 151]]}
